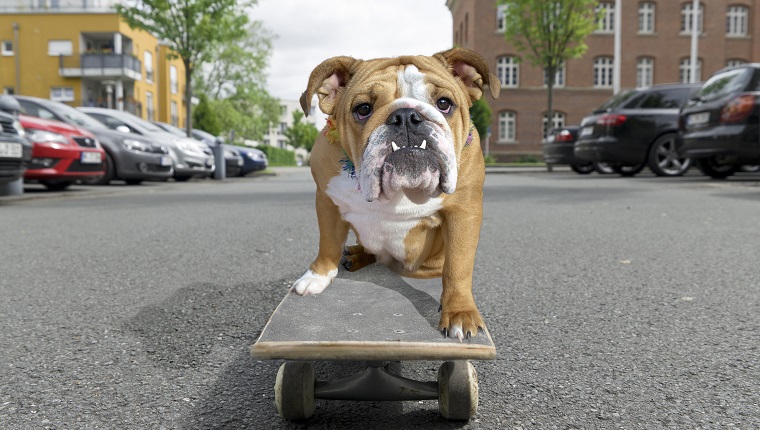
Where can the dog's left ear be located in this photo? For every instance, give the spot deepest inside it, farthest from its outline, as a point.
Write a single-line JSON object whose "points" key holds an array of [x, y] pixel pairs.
{"points": [[327, 80], [472, 69]]}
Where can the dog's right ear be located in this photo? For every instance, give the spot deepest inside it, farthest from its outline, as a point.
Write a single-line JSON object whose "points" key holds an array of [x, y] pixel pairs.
{"points": [[328, 80]]}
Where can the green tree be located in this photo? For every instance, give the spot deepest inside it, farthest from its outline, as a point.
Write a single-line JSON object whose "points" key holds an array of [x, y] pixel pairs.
{"points": [[549, 32], [480, 113], [190, 28], [205, 117], [301, 134]]}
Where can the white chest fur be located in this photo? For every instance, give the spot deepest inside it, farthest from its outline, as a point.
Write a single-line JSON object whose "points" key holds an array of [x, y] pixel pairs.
{"points": [[382, 226]]}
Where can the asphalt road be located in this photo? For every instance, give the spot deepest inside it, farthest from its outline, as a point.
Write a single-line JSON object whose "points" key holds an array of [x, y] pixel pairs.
{"points": [[614, 303]]}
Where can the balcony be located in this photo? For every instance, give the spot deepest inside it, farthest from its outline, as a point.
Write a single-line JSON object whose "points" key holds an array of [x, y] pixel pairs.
{"points": [[100, 65]]}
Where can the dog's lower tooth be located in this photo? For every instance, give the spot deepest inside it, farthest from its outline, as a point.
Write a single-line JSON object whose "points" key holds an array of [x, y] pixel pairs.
{"points": [[423, 145], [394, 146]]}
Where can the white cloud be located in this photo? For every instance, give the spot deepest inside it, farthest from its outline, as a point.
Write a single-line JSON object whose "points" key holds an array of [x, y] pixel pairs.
{"points": [[310, 31]]}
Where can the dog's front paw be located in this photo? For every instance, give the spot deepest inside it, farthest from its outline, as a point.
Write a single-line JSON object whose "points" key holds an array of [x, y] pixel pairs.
{"points": [[312, 283], [355, 257], [461, 324]]}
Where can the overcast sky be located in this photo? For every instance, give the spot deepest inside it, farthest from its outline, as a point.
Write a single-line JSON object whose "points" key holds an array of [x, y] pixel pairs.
{"points": [[310, 31]]}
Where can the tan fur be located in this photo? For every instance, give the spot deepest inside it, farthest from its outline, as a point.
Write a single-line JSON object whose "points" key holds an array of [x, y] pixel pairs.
{"points": [[442, 245]]}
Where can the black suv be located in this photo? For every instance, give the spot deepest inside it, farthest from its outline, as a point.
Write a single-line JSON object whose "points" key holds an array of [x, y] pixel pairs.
{"points": [[637, 128], [719, 126], [15, 149]]}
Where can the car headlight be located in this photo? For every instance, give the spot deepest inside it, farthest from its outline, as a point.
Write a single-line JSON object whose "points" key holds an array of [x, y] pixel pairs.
{"points": [[186, 146], [19, 128], [134, 145], [256, 156], [44, 136]]}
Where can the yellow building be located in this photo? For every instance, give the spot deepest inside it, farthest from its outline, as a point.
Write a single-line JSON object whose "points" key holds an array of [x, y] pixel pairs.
{"points": [[82, 53]]}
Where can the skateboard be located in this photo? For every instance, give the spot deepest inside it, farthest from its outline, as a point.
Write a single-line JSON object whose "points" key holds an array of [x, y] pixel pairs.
{"points": [[377, 317]]}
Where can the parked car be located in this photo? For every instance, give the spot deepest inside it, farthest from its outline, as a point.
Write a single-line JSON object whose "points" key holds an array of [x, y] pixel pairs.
{"points": [[62, 153], [253, 159], [15, 149], [233, 162], [637, 128], [188, 157], [128, 157], [559, 148], [719, 125]]}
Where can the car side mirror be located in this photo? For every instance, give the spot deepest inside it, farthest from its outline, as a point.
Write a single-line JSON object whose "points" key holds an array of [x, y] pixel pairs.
{"points": [[123, 129]]}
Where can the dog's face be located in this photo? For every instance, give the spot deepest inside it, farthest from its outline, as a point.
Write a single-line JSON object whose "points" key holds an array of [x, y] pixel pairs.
{"points": [[402, 121]]}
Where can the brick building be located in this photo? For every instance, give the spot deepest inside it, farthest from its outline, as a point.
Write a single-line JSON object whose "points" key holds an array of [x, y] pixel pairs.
{"points": [[656, 45]]}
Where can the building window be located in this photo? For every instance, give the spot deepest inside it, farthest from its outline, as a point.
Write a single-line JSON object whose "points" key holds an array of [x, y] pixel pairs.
{"points": [[735, 62], [62, 94], [59, 47], [175, 117], [7, 48], [685, 70], [558, 120], [559, 76], [9, 90], [736, 21], [148, 61], [603, 72], [646, 17], [507, 127], [173, 84], [508, 71], [149, 105], [606, 11], [688, 17], [501, 22], [644, 71]]}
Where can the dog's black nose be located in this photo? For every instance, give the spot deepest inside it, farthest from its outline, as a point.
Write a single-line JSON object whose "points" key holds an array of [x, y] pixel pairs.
{"points": [[405, 117]]}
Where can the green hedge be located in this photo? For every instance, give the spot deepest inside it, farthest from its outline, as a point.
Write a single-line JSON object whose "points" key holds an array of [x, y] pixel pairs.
{"points": [[278, 156]]}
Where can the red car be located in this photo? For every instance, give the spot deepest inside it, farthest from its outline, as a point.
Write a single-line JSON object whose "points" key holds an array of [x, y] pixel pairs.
{"points": [[62, 153]]}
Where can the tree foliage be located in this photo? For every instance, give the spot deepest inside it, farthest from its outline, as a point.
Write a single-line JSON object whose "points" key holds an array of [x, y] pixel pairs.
{"points": [[190, 28], [549, 32], [206, 118], [481, 117], [301, 134]]}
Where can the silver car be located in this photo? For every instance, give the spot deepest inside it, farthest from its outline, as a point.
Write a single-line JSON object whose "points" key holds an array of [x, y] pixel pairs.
{"points": [[190, 157]]}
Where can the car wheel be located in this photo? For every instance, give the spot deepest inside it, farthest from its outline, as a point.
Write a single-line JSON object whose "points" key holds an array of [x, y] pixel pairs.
{"points": [[628, 170], [712, 168], [107, 177], [603, 168], [663, 157], [56, 185], [582, 169]]}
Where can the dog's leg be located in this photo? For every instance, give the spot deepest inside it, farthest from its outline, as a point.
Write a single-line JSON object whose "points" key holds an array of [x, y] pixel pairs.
{"points": [[460, 317], [332, 236], [355, 257]]}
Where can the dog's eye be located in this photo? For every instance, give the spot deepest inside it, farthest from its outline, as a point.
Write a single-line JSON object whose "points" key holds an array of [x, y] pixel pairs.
{"points": [[444, 105], [363, 111]]}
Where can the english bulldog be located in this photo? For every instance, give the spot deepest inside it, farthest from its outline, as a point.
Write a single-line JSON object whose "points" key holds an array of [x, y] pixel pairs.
{"points": [[400, 164]]}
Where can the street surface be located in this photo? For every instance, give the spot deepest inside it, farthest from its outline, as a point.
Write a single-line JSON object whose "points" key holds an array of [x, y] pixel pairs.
{"points": [[614, 303]]}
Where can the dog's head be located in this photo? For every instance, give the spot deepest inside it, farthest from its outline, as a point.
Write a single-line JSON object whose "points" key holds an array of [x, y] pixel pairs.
{"points": [[402, 121]]}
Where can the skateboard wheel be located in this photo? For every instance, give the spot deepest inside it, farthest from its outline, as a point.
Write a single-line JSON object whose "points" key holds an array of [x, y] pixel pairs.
{"points": [[294, 390], [457, 390]]}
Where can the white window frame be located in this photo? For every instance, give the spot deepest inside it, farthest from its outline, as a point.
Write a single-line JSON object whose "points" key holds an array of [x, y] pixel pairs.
{"points": [[60, 47], [148, 62], [736, 21], [62, 94], [174, 114], [647, 11], [149, 109], [507, 127], [559, 77], [508, 71], [603, 72], [501, 22], [558, 120], [735, 62], [644, 72], [687, 18], [5, 52], [606, 22], [684, 70], [173, 82]]}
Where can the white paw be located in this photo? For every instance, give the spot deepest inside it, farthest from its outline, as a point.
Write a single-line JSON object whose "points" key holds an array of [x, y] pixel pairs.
{"points": [[311, 283]]}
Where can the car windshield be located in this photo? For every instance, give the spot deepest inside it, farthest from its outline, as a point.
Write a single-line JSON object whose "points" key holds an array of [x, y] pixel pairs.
{"points": [[724, 83], [77, 117], [172, 129], [147, 125], [615, 101]]}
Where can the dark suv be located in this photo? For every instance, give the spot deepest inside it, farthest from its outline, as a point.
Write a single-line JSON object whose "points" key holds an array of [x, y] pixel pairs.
{"points": [[719, 126], [637, 128], [15, 149]]}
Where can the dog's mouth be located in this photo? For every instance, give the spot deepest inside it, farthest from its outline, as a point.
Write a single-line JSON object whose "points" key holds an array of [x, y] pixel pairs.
{"points": [[421, 165]]}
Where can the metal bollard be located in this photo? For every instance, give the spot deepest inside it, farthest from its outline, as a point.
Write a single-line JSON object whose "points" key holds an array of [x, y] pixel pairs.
{"points": [[218, 149]]}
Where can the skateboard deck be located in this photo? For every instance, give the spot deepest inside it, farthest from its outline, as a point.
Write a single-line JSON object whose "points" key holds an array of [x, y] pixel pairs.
{"points": [[371, 314]]}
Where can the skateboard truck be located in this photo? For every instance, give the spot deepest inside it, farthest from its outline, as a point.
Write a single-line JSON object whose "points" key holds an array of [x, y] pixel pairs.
{"points": [[456, 389]]}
